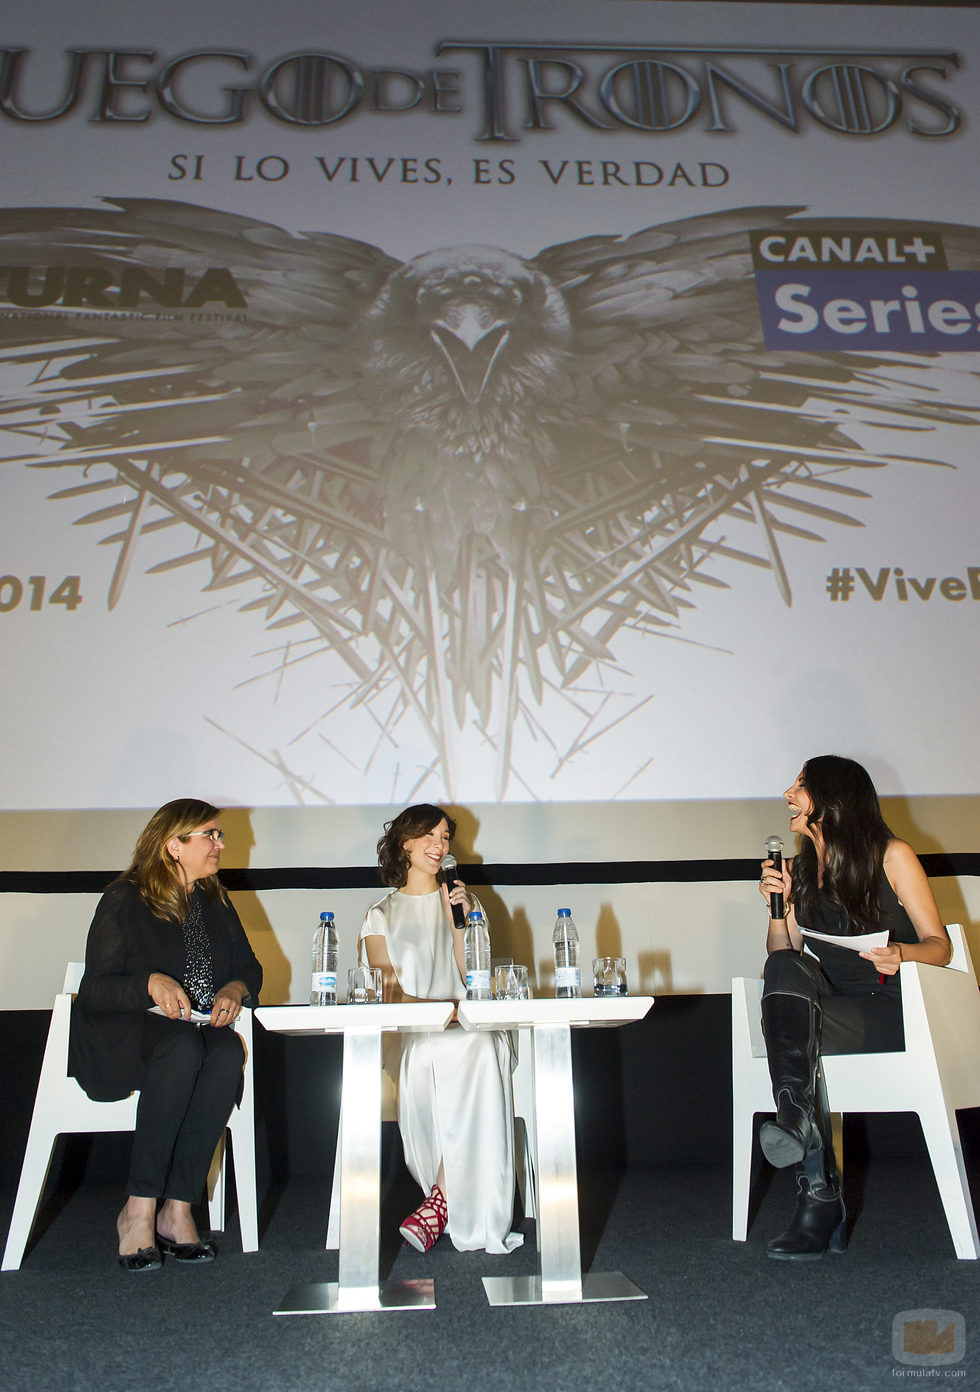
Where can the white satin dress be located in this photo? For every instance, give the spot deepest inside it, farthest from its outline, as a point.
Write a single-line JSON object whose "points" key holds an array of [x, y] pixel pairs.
{"points": [[454, 1090]]}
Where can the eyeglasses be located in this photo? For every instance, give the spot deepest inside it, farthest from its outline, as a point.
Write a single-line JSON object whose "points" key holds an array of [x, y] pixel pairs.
{"points": [[213, 834]]}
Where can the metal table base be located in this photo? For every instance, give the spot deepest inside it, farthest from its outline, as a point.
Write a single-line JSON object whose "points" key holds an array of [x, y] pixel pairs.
{"points": [[358, 1287], [331, 1298], [532, 1290], [561, 1281]]}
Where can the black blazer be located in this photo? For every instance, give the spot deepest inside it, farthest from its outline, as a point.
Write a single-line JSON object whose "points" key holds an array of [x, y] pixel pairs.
{"points": [[126, 943]]}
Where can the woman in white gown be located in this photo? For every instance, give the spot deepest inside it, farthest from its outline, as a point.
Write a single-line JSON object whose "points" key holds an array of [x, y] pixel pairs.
{"points": [[455, 1109]]}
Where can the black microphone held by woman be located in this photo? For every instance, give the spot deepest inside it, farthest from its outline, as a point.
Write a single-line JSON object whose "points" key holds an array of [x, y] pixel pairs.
{"points": [[448, 875], [774, 852]]}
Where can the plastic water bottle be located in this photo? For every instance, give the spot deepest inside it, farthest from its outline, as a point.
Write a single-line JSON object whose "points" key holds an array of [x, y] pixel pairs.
{"points": [[476, 955], [323, 986], [568, 973]]}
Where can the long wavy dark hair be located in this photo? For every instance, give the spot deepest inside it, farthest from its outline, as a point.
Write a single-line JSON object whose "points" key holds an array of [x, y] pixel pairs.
{"points": [[855, 835], [414, 821], [153, 871]]}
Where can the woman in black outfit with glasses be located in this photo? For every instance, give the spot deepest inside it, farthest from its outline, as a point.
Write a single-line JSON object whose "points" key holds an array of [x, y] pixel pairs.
{"points": [[164, 942]]}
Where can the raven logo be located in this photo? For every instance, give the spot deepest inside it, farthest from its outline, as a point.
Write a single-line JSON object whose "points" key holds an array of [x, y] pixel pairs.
{"points": [[468, 474]]}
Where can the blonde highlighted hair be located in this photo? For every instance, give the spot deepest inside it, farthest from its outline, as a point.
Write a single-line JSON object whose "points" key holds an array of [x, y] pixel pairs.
{"points": [[154, 871]]}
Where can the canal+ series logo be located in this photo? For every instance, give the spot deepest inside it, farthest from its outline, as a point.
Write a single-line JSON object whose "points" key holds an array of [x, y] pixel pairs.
{"points": [[832, 290]]}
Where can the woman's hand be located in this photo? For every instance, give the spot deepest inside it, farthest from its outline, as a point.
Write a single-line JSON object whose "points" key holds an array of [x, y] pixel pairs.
{"points": [[887, 959], [783, 932], [775, 881], [169, 995], [227, 1004], [459, 895]]}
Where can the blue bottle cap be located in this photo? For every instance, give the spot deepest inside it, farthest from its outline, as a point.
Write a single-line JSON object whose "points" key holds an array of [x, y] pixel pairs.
{"points": [[324, 916], [564, 913]]}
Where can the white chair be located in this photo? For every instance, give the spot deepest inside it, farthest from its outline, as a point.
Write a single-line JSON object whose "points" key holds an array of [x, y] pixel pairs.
{"points": [[523, 1090], [62, 1108], [937, 1074]]}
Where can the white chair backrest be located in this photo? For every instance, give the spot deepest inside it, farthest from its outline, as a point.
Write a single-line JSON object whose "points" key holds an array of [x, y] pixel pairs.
{"points": [[960, 960], [73, 977]]}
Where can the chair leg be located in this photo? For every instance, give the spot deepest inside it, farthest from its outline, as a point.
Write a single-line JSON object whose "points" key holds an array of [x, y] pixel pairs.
{"points": [[242, 1128], [332, 1243], [837, 1136], [742, 1133], [216, 1185], [942, 1136], [33, 1177]]}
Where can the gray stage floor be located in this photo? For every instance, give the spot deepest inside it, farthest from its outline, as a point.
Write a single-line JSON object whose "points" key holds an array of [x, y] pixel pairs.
{"points": [[719, 1314]]}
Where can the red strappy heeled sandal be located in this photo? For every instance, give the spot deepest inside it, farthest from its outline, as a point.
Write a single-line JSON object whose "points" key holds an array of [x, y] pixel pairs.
{"points": [[423, 1228]]}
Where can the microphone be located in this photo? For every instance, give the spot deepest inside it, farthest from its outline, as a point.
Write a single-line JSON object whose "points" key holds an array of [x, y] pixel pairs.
{"points": [[448, 875], [774, 852]]}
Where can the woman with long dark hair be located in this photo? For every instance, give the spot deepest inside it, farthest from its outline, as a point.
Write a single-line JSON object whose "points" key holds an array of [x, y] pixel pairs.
{"points": [[165, 941], [851, 877], [455, 1108]]}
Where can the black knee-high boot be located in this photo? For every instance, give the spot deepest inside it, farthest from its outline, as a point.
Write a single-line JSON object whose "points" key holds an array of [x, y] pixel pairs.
{"points": [[820, 1220], [791, 1025], [800, 1134]]}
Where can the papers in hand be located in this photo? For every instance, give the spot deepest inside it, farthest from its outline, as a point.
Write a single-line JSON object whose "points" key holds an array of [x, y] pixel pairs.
{"points": [[861, 942], [198, 1017]]}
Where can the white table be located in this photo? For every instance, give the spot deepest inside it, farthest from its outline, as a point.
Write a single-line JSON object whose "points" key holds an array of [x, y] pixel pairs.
{"points": [[358, 1286], [561, 1281]]}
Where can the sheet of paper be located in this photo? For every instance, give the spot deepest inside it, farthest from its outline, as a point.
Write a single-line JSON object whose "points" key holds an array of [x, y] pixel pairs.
{"points": [[862, 942], [198, 1017]]}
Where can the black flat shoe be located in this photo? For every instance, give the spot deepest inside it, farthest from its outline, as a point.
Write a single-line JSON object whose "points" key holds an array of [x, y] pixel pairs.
{"points": [[145, 1259], [198, 1252]]}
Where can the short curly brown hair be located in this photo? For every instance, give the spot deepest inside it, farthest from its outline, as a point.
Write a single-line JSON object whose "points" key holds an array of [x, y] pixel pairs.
{"points": [[414, 821]]}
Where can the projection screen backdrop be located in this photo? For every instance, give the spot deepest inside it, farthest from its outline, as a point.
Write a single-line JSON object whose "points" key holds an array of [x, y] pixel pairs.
{"points": [[552, 402]]}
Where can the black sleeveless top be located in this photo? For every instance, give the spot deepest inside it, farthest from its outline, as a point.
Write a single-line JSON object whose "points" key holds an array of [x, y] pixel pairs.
{"points": [[846, 971]]}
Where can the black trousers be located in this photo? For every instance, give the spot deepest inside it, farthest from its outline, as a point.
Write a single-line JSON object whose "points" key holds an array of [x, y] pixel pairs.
{"points": [[866, 1023], [192, 1078]]}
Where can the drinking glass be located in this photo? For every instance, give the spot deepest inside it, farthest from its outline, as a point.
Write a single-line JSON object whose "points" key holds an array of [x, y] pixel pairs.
{"points": [[609, 976], [364, 986], [510, 982]]}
